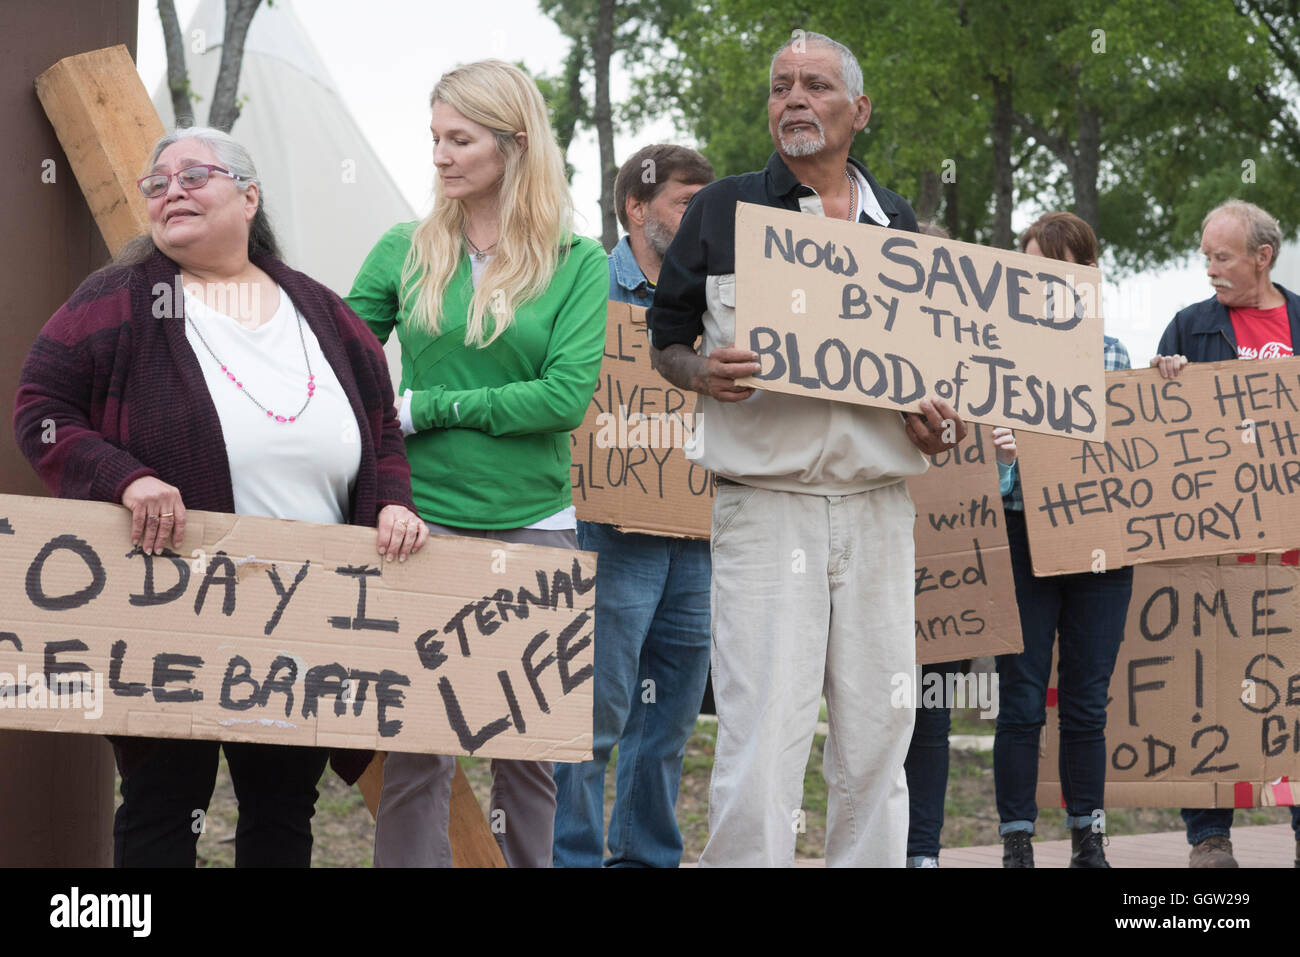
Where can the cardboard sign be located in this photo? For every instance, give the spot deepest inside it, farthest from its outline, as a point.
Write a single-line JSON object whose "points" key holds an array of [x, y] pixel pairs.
{"points": [[629, 465], [1205, 697], [292, 633], [1204, 464], [965, 592], [881, 317]]}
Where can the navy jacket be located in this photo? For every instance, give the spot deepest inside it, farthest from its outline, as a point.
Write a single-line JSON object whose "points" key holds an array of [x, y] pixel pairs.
{"points": [[1203, 331]]}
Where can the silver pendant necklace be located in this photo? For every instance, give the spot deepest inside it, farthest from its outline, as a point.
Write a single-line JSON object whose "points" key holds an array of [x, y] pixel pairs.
{"points": [[479, 254]]}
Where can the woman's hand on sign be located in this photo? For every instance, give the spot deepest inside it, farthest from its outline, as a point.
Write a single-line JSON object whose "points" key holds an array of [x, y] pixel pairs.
{"points": [[936, 428], [156, 514], [1169, 366], [401, 532], [722, 368], [1005, 440]]}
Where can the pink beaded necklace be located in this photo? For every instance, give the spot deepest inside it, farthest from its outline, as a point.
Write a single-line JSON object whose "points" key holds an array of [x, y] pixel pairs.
{"points": [[311, 379]]}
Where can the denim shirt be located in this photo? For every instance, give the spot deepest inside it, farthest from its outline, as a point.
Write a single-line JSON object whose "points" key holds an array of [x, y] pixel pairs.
{"points": [[627, 283]]}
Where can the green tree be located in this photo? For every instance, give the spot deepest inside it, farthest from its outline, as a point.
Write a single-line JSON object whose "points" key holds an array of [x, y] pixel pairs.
{"points": [[1137, 115], [600, 31]]}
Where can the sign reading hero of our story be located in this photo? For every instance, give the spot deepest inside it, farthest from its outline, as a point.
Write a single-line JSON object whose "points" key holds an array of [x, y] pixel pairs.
{"points": [[881, 317], [292, 633], [1203, 464]]}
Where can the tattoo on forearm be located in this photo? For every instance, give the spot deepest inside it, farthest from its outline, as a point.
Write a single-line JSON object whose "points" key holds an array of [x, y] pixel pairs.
{"points": [[679, 364]]}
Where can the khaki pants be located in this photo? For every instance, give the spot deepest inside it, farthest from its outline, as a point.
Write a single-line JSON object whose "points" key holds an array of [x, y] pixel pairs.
{"points": [[415, 803], [811, 594]]}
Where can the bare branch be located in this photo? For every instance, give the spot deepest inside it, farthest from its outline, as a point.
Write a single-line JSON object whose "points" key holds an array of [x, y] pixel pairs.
{"points": [[603, 50], [225, 107], [178, 78]]}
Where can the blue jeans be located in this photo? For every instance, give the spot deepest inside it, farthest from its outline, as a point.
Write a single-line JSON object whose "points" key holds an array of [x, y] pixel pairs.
{"points": [[1208, 821], [652, 659], [927, 769], [1088, 611]]}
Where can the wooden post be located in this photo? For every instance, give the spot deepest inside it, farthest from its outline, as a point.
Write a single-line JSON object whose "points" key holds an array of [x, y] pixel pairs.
{"points": [[107, 126], [56, 797]]}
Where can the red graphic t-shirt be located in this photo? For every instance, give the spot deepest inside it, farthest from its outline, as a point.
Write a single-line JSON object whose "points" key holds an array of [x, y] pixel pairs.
{"points": [[1262, 333]]}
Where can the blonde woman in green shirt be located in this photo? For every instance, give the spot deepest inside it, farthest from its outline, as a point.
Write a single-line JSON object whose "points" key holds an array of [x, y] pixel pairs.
{"points": [[500, 311]]}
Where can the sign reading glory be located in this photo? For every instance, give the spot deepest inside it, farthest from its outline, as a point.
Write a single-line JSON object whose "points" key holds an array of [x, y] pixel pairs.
{"points": [[879, 317]]}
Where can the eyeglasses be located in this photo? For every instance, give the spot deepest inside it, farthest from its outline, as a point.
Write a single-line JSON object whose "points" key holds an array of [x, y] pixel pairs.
{"points": [[192, 177]]}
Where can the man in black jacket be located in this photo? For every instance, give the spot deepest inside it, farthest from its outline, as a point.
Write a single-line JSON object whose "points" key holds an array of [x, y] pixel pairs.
{"points": [[813, 560], [1248, 317]]}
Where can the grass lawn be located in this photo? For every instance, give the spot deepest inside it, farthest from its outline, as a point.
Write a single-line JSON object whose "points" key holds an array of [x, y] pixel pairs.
{"points": [[344, 832]]}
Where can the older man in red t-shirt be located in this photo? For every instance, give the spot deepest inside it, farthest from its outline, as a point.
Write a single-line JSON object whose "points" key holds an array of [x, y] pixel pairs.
{"points": [[1249, 317]]}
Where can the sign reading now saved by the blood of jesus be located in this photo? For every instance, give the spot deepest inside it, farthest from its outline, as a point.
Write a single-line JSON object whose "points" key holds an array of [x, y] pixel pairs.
{"points": [[292, 633], [880, 317]]}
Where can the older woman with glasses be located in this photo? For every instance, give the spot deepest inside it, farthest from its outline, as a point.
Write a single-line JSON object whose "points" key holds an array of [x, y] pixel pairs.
{"points": [[199, 371]]}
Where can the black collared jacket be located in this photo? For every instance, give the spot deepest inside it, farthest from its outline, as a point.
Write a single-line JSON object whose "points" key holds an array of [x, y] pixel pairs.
{"points": [[1203, 331]]}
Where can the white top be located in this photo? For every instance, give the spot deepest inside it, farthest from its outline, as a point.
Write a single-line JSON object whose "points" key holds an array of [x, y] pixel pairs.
{"points": [[300, 470]]}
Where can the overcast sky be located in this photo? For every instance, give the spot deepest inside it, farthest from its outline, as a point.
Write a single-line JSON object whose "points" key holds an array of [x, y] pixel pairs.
{"points": [[385, 56]]}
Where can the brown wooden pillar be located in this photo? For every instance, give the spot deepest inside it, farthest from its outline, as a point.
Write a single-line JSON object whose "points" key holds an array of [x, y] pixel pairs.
{"points": [[56, 790]]}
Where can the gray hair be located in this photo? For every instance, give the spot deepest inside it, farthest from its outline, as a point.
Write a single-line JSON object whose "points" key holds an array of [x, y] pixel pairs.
{"points": [[850, 70], [229, 151], [1261, 228], [234, 156]]}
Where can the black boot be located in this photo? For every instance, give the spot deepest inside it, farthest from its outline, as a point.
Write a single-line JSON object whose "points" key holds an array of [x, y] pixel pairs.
{"points": [[1087, 848], [1017, 851]]}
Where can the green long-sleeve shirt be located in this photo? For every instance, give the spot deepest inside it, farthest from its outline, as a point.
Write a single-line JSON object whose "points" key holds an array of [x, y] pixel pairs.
{"points": [[491, 448]]}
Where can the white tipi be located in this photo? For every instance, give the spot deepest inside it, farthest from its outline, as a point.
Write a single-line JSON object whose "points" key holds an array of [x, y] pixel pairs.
{"points": [[327, 193]]}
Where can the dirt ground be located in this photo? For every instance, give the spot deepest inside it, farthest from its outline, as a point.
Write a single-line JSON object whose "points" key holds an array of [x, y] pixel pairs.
{"points": [[344, 831]]}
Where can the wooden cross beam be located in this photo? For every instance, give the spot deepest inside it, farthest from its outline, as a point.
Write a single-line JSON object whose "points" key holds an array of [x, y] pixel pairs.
{"points": [[107, 126]]}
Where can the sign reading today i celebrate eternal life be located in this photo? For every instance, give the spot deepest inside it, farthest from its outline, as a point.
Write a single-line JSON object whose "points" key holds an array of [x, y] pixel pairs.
{"points": [[285, 632], [881, 317]]}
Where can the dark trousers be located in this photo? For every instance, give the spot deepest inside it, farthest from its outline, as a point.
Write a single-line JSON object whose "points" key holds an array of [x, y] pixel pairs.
{"points": [[927, 768], [1087, 611], [167, 784], [1207, 821]]}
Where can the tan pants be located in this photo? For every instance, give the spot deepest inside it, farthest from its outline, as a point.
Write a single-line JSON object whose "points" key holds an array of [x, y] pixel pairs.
{"points": [[811, 594], [415, 803]]}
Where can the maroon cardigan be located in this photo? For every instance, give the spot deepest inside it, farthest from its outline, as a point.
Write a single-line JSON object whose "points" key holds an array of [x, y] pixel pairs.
{"points": [[128, 399]]}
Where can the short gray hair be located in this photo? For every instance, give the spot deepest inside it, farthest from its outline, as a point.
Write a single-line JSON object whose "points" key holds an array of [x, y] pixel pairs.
{"points": [[850, 70], [1261, 228], [232, 154]]}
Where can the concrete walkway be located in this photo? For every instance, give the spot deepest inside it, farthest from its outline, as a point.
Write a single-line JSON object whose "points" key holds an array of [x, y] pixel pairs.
{"points": [[1270, 845]]}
